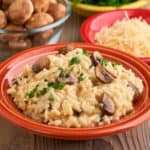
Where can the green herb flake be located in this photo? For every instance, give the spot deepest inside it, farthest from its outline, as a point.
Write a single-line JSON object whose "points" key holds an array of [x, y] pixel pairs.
{"points": [[78, 72], [81, 77], [43, 91], [51, 97], [84, 52], [114, 64], [72, 68], [32, 92], [46, 80], [59, 86], [104, 62], [75, 60], [50, 84], [91, 66], [67, 75], [61, 69]]}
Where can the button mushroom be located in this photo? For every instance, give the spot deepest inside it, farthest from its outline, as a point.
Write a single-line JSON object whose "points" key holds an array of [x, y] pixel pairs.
{"points": [[108, 104], [66, 49], [103, 74], [38, 20], [20, 11], [135, 89], [20, 44], [67, 78], [57, 10], [40, 64], [3, 20], [41, 5], [17, 36], [96, 58]]}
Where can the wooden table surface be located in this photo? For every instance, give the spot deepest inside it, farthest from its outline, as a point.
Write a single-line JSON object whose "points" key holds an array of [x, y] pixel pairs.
{"points": [[13, 138]]}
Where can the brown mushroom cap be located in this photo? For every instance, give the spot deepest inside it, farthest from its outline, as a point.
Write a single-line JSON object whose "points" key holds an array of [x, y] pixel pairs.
{"points": [[3, 19], [20, 11], [70, 79], [40, 64], [96, 58], [41, 5], [57, 10], [108, 104], [136, 91], [103, 74], [20, 44], [66, 49], [9, 36], [39, 20]]}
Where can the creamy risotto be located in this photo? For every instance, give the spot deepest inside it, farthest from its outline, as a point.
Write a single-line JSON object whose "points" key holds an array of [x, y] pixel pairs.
{"points": [[75, 89]]}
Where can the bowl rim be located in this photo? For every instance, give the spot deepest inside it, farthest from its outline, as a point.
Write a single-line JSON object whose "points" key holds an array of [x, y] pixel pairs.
{"points": [[86, 24], [95, 8], [71, 133], [46, 27]]}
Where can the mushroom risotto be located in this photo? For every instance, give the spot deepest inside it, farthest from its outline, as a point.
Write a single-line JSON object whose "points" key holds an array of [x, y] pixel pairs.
{"points": [[75, 89]]}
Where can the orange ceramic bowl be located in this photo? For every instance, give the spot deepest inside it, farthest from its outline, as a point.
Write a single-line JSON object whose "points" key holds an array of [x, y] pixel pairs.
{"points": [[95, 23], [11, 67]]}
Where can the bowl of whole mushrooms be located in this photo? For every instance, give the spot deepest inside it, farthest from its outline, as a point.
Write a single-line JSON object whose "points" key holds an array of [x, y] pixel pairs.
{"points": [[28, 23]]}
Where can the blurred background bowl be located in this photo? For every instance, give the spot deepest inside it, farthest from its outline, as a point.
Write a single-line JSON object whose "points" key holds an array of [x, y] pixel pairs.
{"points": [[88, 10], [48, 34], [95, 23]]}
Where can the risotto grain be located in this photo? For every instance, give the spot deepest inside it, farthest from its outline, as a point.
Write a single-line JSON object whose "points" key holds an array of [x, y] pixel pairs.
{"points": [[69, 93]]}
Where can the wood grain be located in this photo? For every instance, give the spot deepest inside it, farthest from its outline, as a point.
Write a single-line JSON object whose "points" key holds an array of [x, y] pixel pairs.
{"points": [[13, 138]]}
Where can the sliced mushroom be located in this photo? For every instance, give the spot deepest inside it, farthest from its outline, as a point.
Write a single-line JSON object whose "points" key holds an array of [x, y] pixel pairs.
{"points": [[135, 89], [66, 49], [103, 74], [96, 58], [40, 64], [108, 104], [70, 79]]}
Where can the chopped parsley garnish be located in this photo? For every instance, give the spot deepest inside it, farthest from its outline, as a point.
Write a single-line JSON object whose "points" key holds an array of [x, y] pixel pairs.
{"points": [[84, 52], [60, 68], [91, 66], [64, 75], [43, 91], [75, 60], [78, 72], [32, 92], [104, 62], [51, 97], [46, 80], [50, 84], [81, 77], [116, 64], [72, 68], [67, 75], [59, 86]]}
